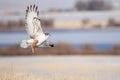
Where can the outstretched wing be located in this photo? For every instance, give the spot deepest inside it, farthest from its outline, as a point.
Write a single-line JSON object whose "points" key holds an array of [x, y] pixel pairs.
{"points": [[33, 24]]}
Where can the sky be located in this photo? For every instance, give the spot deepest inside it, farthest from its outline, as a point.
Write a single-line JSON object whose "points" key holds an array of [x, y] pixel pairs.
{"points": [[44, 5]]}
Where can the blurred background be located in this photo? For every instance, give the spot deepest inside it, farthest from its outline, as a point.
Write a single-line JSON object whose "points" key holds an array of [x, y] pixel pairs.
{"points": [[86, 34], [77, 26]]}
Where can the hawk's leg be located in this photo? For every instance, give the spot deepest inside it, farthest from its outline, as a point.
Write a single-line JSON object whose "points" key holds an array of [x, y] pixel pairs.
{"points": [[34, 45]]}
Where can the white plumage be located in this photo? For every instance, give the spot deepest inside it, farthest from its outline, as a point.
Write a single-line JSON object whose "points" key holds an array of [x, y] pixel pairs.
{"points": [[33, 28]]}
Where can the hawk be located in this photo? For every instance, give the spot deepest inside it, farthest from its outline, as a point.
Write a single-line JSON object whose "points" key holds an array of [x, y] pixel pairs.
{"points": [[34, 29]]}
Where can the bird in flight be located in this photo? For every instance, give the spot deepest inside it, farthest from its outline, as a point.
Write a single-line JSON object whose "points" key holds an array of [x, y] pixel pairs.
{"points": [[34, 29]]}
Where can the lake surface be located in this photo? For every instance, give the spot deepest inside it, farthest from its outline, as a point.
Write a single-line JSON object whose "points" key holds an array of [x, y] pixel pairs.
{"points": [[103, 39]]}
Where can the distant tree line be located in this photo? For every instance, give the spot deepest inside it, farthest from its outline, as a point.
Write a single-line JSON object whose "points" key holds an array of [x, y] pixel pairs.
{"points": [[93, 5], [11, 24], [19, 24], [49, 24], [60, 49]]}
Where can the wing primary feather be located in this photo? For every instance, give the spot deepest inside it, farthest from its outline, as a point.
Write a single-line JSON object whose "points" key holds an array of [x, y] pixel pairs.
{"points": [[31, 7], [38, 13], [28, 8], [26, 13], [36, 8]]}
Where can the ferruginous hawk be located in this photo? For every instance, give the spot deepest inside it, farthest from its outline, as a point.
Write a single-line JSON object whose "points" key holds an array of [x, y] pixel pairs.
{"points": [[33, 28]]}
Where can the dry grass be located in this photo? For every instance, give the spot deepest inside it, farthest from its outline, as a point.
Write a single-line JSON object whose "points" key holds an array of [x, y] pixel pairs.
{"points": [[84, 75], [42, 68]]}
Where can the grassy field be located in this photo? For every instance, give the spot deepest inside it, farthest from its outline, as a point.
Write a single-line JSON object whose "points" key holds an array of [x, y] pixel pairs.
{"points": [[60, 68]]}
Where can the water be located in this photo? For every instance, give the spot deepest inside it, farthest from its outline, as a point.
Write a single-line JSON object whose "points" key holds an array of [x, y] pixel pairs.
{"points": [[99, 46], [103, 39]]}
